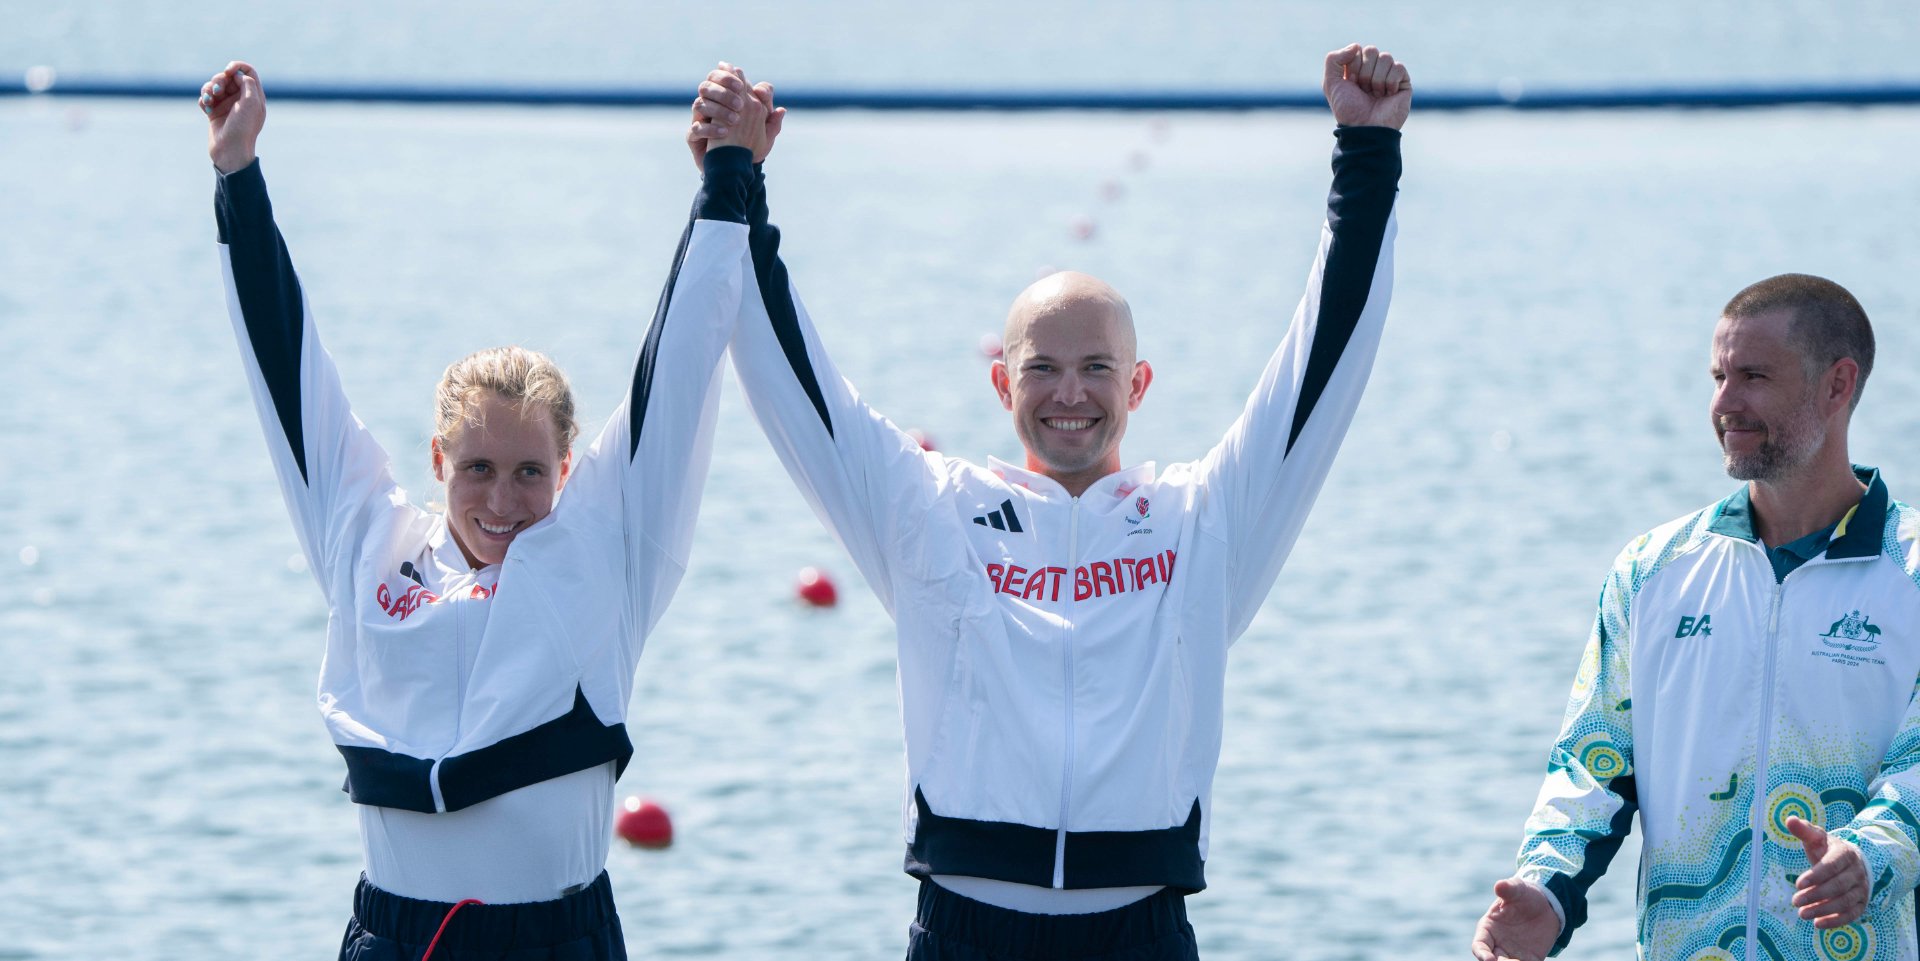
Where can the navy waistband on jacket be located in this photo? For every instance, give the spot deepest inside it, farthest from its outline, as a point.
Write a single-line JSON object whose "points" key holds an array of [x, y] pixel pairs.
{"points": [[574, 741], [1023, 854]]}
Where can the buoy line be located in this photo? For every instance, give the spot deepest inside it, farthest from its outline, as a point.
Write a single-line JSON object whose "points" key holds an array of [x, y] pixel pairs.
{"points": [[1508, 94]]}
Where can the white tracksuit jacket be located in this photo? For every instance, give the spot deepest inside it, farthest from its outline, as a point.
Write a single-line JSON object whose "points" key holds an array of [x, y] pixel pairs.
{"points": [[1061, 659], [444, 686], [1717, 702]]}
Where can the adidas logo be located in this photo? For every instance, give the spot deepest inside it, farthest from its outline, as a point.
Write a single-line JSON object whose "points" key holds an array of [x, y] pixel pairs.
{"points": [[1001, 520]]}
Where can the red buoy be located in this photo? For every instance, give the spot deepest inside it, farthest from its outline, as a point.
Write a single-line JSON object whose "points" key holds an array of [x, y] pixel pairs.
{"points": [[1083, 228], [990, 346], [921, 437], [816, 588], [644, 824]]}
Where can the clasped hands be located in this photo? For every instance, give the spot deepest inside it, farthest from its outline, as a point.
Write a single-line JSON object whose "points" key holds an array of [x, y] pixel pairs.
{"points": [[728, 112], [1363, 86]]}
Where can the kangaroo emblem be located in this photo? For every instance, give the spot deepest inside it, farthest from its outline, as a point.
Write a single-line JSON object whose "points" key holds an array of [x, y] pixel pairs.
{"points": [[1853, 632]]}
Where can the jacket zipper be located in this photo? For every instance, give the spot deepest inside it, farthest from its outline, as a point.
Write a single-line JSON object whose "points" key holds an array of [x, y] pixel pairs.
{"points": [[460, 693], [1066, 658], [1758, 816]]}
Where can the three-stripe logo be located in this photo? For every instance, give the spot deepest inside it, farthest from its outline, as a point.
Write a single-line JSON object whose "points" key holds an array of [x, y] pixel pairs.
{"points": [[1001, 520]]}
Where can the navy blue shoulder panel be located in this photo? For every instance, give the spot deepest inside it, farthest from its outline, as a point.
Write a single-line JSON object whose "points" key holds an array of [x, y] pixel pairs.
{"points": [[775, 292], [1366, 175], [268, 291], [725, 193], [1023, 854], [574, 741]]}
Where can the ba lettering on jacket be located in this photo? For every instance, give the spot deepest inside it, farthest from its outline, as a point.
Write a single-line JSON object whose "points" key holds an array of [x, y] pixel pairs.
{"points": [[1120, 575]]}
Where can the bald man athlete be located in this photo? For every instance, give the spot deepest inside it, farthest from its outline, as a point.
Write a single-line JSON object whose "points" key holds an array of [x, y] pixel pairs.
{"points": [[1063, 625]]}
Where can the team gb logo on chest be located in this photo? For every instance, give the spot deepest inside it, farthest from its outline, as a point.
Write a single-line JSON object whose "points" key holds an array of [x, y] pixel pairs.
{"points": [[1140, 509]]}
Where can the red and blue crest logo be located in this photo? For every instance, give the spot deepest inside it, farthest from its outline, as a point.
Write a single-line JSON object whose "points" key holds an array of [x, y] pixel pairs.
{"points": [[1139, 508]]}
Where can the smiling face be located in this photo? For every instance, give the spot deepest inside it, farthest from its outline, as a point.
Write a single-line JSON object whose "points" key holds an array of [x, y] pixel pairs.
{"points": [[502, 468], [1070, 377], [1766, 404]]}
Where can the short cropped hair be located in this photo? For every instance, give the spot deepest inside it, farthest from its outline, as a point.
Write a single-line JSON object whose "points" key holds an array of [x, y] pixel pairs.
{"points": [[1828, 323]]}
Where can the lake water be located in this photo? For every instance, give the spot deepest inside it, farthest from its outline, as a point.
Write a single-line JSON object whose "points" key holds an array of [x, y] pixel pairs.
{"points": [[166, 788]]}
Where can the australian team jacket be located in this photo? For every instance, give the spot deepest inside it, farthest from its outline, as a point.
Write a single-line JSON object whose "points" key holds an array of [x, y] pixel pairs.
{"points": [[1062, 659], [444, 686], [1718, 702]]}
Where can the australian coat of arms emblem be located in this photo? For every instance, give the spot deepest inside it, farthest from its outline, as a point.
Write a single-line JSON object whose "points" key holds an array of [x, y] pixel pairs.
{"points": [[1854, 632]]}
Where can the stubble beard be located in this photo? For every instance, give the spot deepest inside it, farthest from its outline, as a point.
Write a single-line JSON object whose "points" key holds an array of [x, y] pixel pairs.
{"points": [[1788, 447]]}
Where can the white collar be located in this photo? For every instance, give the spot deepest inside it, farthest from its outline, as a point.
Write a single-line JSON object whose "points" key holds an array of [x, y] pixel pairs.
{"points": [[1114, 486]]}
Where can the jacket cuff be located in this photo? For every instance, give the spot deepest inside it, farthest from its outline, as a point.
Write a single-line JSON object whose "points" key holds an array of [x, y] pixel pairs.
{"points": [[1370, 152], [1565, 901], [1877, 851], [1559, 910], [727, 190], [240, 198]]}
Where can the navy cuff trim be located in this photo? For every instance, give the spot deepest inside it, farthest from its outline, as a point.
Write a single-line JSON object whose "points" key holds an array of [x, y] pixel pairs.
{"points": [[241, 195], [727, 190], [271, 303], [725, 195], [1364, 132], [1366, 174], [1572, 891]]}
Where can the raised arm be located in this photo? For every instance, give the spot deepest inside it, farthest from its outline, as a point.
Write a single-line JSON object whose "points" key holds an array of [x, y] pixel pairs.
{"points": [[672, 404], [866, 479], [329, 467], [1262, 478], [635, 494]]}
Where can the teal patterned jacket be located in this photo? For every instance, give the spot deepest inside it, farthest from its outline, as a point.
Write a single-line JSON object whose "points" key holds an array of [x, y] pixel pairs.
{"points": [[1716, 702]]}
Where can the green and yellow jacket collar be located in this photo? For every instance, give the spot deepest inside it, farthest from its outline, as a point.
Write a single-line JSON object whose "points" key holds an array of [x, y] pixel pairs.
{"points": [[1859, 534]]}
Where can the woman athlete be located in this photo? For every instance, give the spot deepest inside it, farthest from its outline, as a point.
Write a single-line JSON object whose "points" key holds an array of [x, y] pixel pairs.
{"points": [[479, 660]]}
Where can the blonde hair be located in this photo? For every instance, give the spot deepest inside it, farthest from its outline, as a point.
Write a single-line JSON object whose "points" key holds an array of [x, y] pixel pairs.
{"points": [[525, 377]]}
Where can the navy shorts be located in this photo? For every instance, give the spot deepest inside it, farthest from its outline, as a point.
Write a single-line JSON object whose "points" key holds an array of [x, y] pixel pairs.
{"points": [[949, 927], [578, 927]]}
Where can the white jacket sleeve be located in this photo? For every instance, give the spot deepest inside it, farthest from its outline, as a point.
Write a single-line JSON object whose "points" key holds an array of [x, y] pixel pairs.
{"points": [[633, 497], [1261, 479], [869, 481], [330, 468]]}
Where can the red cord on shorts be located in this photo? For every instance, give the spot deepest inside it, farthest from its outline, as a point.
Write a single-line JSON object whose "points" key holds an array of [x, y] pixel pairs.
{"points": [[443, 925]]}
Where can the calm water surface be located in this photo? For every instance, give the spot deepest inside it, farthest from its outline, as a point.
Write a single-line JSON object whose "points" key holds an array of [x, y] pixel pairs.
{"points": [[167, 790]]}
